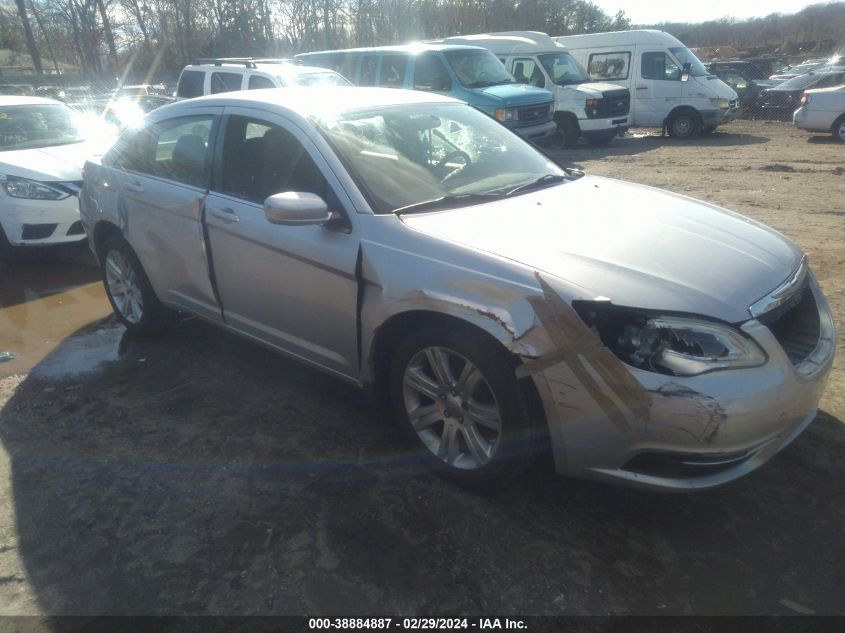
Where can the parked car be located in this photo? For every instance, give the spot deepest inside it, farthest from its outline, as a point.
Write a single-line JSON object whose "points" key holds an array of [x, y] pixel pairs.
{"points": [[213, 76], [746, 88], [43, 145], [598, 111], [670, 88], [800, 69], [469, 73], [749, 69], [781, 101], [409, 244], [822, 110]]}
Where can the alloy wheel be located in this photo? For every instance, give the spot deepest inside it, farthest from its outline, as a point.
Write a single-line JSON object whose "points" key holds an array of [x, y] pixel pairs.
{"points": [[123, 287], [452, 408]]}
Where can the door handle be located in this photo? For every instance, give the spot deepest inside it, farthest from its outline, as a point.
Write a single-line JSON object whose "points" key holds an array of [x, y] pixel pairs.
{"points": [[130, 186], [226, 215]]}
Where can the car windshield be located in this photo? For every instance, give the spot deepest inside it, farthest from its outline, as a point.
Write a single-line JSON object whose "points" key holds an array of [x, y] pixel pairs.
{"points": [[800, 82], [686, 56], [321, 79], [400, 156], [477, 68], [40, 125], [563, 69]]}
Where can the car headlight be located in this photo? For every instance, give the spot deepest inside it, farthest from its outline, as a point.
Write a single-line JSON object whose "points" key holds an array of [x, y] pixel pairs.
{"points": [[32, 190], [505, 114], [721, 103], [674, 345]]}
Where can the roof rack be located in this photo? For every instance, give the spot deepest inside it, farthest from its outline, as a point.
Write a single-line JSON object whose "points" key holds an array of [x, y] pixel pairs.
{"points": [[274, 60], [249, 62]]}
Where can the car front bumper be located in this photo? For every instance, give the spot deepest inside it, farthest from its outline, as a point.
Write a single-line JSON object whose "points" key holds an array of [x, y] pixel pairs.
{"points": [[655, 431], [536, 132], [41, 222]]}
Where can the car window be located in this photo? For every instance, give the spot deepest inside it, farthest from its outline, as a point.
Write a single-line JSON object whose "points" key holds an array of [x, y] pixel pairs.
{"points": [[526, 71], [257, 82], [609, 65], [260, 159], [393, 71], [225, 82], [430, 73], [176, 149], [368, 71], [190, 84], [659, 66], [735, 79]]}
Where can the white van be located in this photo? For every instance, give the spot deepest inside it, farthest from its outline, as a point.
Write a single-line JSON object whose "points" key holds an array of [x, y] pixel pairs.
{"points": [[596, 111], [670, 86], [211, 76]]}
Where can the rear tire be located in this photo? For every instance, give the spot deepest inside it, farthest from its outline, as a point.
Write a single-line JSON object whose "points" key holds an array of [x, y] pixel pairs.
{"points": [[839, 129], [455, 394], [684, 125], [129, 291]]}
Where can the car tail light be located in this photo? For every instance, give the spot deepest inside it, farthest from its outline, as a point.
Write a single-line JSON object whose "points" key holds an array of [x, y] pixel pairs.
{"points": [[805, 99]]}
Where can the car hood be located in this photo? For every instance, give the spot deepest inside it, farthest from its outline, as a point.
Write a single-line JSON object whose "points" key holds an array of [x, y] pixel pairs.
{"points": [[596, 87], [636, 245], [517, 94], [48, 164]]}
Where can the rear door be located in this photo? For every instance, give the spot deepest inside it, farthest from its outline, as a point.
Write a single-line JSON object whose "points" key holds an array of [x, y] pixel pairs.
{"points": [[162, 173], [293, 287]]}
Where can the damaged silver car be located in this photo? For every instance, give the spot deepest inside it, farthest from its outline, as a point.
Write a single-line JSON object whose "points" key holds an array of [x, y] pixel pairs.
{"points": [[500, 304]]}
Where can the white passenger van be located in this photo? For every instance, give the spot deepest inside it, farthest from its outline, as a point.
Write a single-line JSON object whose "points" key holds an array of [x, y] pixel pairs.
{"points": [[670, 87], [596, 111]]}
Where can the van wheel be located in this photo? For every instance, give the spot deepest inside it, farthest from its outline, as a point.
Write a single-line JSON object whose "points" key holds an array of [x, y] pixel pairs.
{"points": [[684, 125], [456, 396], [839, 129], [129, 291], [568, 131]]}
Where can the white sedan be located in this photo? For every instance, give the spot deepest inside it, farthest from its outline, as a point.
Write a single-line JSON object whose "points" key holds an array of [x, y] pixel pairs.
{"points": [[822, 110], [43, 146]]}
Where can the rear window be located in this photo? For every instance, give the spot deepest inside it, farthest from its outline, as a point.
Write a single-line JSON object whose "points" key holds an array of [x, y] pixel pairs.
{"points": [[190, 84], [800, 82], [225, 82]]}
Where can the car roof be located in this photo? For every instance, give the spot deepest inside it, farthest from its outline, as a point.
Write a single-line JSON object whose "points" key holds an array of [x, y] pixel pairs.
{"points": [[270, 68], [13, 100], [324, 101], [414, 48]]}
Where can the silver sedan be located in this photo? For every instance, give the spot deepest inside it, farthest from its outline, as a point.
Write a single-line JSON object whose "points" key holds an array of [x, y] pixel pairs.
{"points": [[498, 303]]}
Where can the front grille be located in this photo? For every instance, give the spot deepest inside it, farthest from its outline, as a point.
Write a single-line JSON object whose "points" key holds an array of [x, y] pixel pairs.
{"points": [[534, 114], [37, 231], [76, 228], [778, 99], [795, 324], [616, 103]]}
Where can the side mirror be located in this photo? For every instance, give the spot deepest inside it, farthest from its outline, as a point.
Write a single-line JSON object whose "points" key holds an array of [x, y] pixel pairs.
{"points": [[296, 208], [686, 71]]}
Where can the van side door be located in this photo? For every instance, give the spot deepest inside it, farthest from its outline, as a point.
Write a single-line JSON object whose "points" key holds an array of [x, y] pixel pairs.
{"points": [[291, 287]]}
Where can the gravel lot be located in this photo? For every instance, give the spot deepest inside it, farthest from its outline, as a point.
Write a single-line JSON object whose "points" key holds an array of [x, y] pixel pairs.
{"points": [[199, 474]]}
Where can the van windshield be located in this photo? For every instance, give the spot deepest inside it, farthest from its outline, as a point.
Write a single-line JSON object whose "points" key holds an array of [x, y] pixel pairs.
{"points": [[563, 69], [686, 56], [410, 155], [476, 68]]}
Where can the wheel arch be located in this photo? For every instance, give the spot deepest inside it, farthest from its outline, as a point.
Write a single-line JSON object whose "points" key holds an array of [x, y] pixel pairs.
{"points": [[684, 109], [103, 230]]}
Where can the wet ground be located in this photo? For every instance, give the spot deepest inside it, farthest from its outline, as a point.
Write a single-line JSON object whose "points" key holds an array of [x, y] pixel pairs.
{"points": [[195, 473]]}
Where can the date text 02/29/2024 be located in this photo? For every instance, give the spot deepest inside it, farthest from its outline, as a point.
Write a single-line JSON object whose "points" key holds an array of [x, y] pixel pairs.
{"points": [[416, 624]]}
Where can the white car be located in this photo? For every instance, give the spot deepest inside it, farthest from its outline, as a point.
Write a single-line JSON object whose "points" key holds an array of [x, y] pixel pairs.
{"points": [[43, 146], [822, 110]]}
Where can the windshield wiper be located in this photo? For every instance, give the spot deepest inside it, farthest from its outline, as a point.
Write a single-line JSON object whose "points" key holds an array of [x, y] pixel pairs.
{"points": [[449, 201], [542, 181]]}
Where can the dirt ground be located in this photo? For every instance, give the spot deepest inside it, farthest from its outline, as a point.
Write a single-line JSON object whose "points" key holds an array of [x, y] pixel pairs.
{"points": [[199, 474]]}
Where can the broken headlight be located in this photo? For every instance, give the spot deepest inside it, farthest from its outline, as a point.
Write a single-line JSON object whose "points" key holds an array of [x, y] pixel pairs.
{"points": [[675, 345]]}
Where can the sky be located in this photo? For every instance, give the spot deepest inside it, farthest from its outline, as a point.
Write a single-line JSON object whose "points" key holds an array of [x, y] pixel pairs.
{"points": [[651, 12]]}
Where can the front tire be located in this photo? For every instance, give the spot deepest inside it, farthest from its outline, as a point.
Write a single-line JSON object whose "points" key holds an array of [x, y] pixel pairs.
{"points": [[568, 131], [129, 291], [684, 125], [456, 395]]}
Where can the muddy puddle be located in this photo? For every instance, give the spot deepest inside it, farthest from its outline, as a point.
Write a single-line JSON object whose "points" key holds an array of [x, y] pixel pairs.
{"points": [[44, 301]]}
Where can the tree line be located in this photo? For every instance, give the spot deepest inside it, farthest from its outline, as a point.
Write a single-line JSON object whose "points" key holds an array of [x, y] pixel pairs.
{"points": [[104, 37]]}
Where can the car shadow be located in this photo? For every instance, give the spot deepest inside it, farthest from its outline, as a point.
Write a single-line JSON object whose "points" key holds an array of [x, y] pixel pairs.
{"points": [[827, 139], [195, 473]]}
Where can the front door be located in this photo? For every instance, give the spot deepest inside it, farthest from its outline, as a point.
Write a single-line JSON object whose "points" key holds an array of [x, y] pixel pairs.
{"points": [[658, 87], [293, 287]]}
